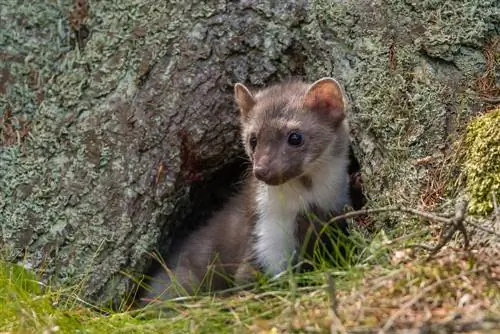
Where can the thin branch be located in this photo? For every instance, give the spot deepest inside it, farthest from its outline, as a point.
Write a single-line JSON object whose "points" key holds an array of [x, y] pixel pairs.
{"points": [[424, 247], [336, 326], [456, 223], [332, 292], [496, 209], [396, 208], [443, 241], [479, 227], [405, 237]]}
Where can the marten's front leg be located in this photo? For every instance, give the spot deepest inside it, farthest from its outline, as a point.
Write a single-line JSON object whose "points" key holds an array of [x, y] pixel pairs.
{"points": [[318, 238]]}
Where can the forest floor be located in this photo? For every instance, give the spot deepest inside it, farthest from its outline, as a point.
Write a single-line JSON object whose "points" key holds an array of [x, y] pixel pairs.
{"points": [[392, 286]]}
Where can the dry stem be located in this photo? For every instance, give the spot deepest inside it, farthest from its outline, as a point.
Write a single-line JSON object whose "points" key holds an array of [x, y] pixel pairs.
{"points": [[451, 225]]}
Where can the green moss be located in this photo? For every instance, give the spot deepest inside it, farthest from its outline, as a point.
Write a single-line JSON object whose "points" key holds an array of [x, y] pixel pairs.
{"points": [[482, 164], [29, 306]]}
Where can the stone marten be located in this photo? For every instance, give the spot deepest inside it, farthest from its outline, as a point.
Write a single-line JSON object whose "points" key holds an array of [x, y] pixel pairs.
{"points": [[296, 137]]}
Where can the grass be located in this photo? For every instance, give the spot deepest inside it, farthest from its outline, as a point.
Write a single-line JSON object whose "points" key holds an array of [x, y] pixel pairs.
{"points": [[387, 287]]}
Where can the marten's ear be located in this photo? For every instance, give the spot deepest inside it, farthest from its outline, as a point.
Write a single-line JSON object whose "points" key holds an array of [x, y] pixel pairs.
{"points": [[244, 99], [325, 95]]}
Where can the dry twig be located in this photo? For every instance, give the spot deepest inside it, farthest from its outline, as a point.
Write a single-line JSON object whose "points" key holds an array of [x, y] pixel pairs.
{"points": [[332, 292], [452, 225], [496, 209], [484, 229], [336, 326]]}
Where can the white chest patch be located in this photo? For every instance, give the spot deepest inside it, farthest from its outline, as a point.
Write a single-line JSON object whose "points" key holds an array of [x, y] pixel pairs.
{"points": [[278, 207]]}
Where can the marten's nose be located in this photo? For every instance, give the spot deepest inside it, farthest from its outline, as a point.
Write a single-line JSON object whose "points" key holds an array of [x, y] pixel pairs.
{"points": [[261, 172], [267, 174]]}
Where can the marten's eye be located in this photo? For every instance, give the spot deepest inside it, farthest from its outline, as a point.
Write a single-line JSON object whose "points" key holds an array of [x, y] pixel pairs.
{"points": [[253, 141], [295, 139]]}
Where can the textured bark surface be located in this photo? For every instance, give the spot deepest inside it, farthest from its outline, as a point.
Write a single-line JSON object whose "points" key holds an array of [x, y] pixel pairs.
{"points": [[111, 112]]}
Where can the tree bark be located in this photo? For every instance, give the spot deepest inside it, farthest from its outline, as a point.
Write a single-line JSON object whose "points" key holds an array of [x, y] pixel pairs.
{"points": [[129, 104]]}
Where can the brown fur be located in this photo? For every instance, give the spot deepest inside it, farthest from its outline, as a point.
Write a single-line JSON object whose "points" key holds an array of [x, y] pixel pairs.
{"points": [[221, 251], [209, 258]]}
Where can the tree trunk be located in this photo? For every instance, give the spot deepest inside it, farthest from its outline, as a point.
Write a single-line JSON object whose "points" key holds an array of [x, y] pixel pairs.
{"points": [[113, 114]]}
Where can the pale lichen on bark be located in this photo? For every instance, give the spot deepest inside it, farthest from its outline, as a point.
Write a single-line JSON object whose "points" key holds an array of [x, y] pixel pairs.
{"points": [[410, 71]]}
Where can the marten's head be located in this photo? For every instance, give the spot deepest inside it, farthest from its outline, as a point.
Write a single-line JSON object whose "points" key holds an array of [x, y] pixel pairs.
{"points": [[290, 129]]}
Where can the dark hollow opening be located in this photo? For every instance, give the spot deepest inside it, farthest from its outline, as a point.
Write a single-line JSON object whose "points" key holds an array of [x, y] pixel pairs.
{"points": [[205, 198], [358, 198], [208, 196]]}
